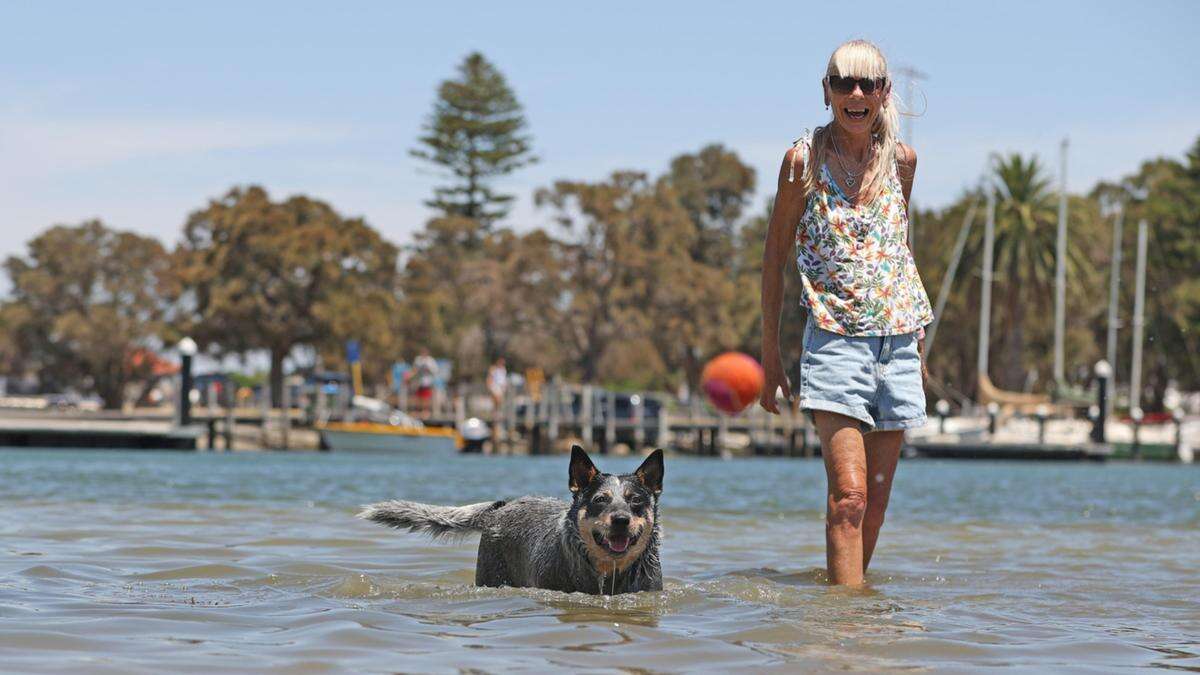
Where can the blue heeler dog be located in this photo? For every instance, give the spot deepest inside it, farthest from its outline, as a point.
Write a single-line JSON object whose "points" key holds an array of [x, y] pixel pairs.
{"points": [[605, 540]]}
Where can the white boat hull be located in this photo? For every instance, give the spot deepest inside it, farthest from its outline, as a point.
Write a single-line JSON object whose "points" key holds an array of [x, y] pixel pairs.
{"points": [[366, 441]]}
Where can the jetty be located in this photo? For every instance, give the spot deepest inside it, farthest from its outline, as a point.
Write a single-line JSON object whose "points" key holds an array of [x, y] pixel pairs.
{"points": [[155, 429], [55, 431], [635, 422], [610, 423]]}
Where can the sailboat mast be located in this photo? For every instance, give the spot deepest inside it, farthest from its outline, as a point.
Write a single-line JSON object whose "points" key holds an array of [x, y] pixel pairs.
{"points": [[985, 301], [1060, 272], [1139, 300], [948, 281], [1114, 287]]}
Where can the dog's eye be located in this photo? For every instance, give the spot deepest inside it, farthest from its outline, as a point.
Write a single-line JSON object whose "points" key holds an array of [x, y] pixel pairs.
{"points": [[601, 499]]}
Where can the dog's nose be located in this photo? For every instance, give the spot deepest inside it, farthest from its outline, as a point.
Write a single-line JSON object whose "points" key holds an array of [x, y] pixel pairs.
{"points": [[620, 522]]}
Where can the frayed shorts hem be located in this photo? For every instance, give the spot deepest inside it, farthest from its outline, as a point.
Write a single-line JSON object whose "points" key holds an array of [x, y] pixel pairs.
{"points": [[898, 425], [866, 423]]}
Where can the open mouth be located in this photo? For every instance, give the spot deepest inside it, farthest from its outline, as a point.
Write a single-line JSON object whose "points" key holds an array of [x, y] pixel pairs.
{"points": [[615, 544], [855, 113]]}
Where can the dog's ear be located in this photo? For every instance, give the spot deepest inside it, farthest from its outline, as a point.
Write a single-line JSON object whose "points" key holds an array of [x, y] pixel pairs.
{"points": [[582, 471], [651, 472]]}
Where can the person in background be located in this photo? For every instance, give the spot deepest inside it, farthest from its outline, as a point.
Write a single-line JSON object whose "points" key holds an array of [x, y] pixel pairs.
{"points": [[497, 387], [424, 374], [497, 383]]}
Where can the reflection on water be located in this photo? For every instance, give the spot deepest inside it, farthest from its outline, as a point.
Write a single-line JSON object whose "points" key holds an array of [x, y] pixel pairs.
{"points": [[120, 562]]}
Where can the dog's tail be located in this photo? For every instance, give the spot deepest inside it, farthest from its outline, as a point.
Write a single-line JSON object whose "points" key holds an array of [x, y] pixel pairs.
{"points": [[437, 521]]}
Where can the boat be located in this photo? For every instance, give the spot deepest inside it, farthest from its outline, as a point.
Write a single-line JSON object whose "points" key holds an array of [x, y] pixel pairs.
{"points": [[373, 426], [377, 437]]}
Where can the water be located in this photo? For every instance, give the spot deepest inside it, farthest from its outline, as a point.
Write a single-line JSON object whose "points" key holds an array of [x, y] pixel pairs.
{"points": [[150, 562]]}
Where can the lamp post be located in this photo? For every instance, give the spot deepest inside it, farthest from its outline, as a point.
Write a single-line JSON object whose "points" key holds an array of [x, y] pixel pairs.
{"points": [[993, 411], [943, 409], [1093, 415], [1104, 374], [1137, 415], [1177, 418], [187, 349], [1043, 412]]}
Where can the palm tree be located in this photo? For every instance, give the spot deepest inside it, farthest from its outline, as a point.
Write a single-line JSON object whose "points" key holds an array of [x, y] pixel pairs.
{"points": [[1026, 228], [1026, 234]]}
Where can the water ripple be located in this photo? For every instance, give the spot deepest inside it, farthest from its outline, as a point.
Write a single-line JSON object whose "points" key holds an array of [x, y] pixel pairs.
{"points": [[200, 563]]}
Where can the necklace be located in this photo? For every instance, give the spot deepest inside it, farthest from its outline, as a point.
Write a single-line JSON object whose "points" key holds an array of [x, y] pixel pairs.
{"points": [[851, 177]]}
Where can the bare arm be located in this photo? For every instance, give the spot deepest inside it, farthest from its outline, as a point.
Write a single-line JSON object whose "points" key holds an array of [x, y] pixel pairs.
{"points": [[906, 160], [781, 237]]}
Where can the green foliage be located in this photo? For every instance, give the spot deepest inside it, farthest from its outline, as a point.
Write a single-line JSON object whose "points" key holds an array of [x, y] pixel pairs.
{"points": [[1166, 193], [746, 312], [1025, 245], [84, 299], [255, 274], [465, 286], [615, 233], [638, 282], [713, 186], [716, 297], [474, 135]]}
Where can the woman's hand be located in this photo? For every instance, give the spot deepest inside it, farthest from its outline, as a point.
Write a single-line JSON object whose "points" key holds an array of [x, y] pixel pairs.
{"points": [[921, 355], [773, 380]]}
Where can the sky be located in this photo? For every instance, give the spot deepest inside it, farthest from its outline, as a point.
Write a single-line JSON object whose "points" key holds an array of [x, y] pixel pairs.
{"points": [[137, 113]]}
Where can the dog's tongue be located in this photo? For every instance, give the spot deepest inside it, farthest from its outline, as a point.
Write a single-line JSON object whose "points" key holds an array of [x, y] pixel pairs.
{"points": [[618, 544]]}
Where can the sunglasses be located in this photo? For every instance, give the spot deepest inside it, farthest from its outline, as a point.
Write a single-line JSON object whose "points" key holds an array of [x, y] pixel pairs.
{"points": [[845, 85]]}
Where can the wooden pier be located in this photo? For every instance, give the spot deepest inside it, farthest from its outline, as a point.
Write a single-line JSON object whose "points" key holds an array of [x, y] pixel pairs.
{"points": [[154, 429], [525, 425], [57, 432]]}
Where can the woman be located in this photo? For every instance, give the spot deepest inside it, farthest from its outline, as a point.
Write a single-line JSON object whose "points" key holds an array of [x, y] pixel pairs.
{"points": [[425, 370], [497, 383], [842, 202]]}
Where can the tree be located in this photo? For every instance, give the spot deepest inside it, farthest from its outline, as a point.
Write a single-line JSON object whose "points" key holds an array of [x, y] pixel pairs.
{"points": [[746, 312], [1026, 217], [1024, 263], [713, 186], [475, 135], [84, 299], [495, 301], [433, 289], [1166, 193], [518, 284], [256, 274], [714, 296], [627, 274], [952, 355]]}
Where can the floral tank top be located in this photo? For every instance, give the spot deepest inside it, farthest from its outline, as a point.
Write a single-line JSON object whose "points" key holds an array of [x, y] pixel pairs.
{"points": [[857, 272]]}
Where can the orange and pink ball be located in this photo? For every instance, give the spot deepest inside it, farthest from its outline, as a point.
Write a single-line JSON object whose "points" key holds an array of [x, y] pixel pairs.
{"points": [[732, 382]]}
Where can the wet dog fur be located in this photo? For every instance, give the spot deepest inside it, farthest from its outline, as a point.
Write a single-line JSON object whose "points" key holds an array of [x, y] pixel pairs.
{"points": [[604, 541]]}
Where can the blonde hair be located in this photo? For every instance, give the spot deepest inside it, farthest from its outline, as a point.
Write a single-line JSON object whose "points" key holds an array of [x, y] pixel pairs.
{"points": [[859, 58]]}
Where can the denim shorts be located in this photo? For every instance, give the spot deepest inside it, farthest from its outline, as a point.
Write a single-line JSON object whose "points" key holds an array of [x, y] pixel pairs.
{"points": [[874, 379]]}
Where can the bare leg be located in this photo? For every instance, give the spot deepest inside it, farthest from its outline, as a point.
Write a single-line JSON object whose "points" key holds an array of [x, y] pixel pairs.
{"points": [[846, 475], [883, 453]]}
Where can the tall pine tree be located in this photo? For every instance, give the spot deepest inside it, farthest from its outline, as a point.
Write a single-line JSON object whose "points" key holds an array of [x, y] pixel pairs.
{"points": [[475, 134]]}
